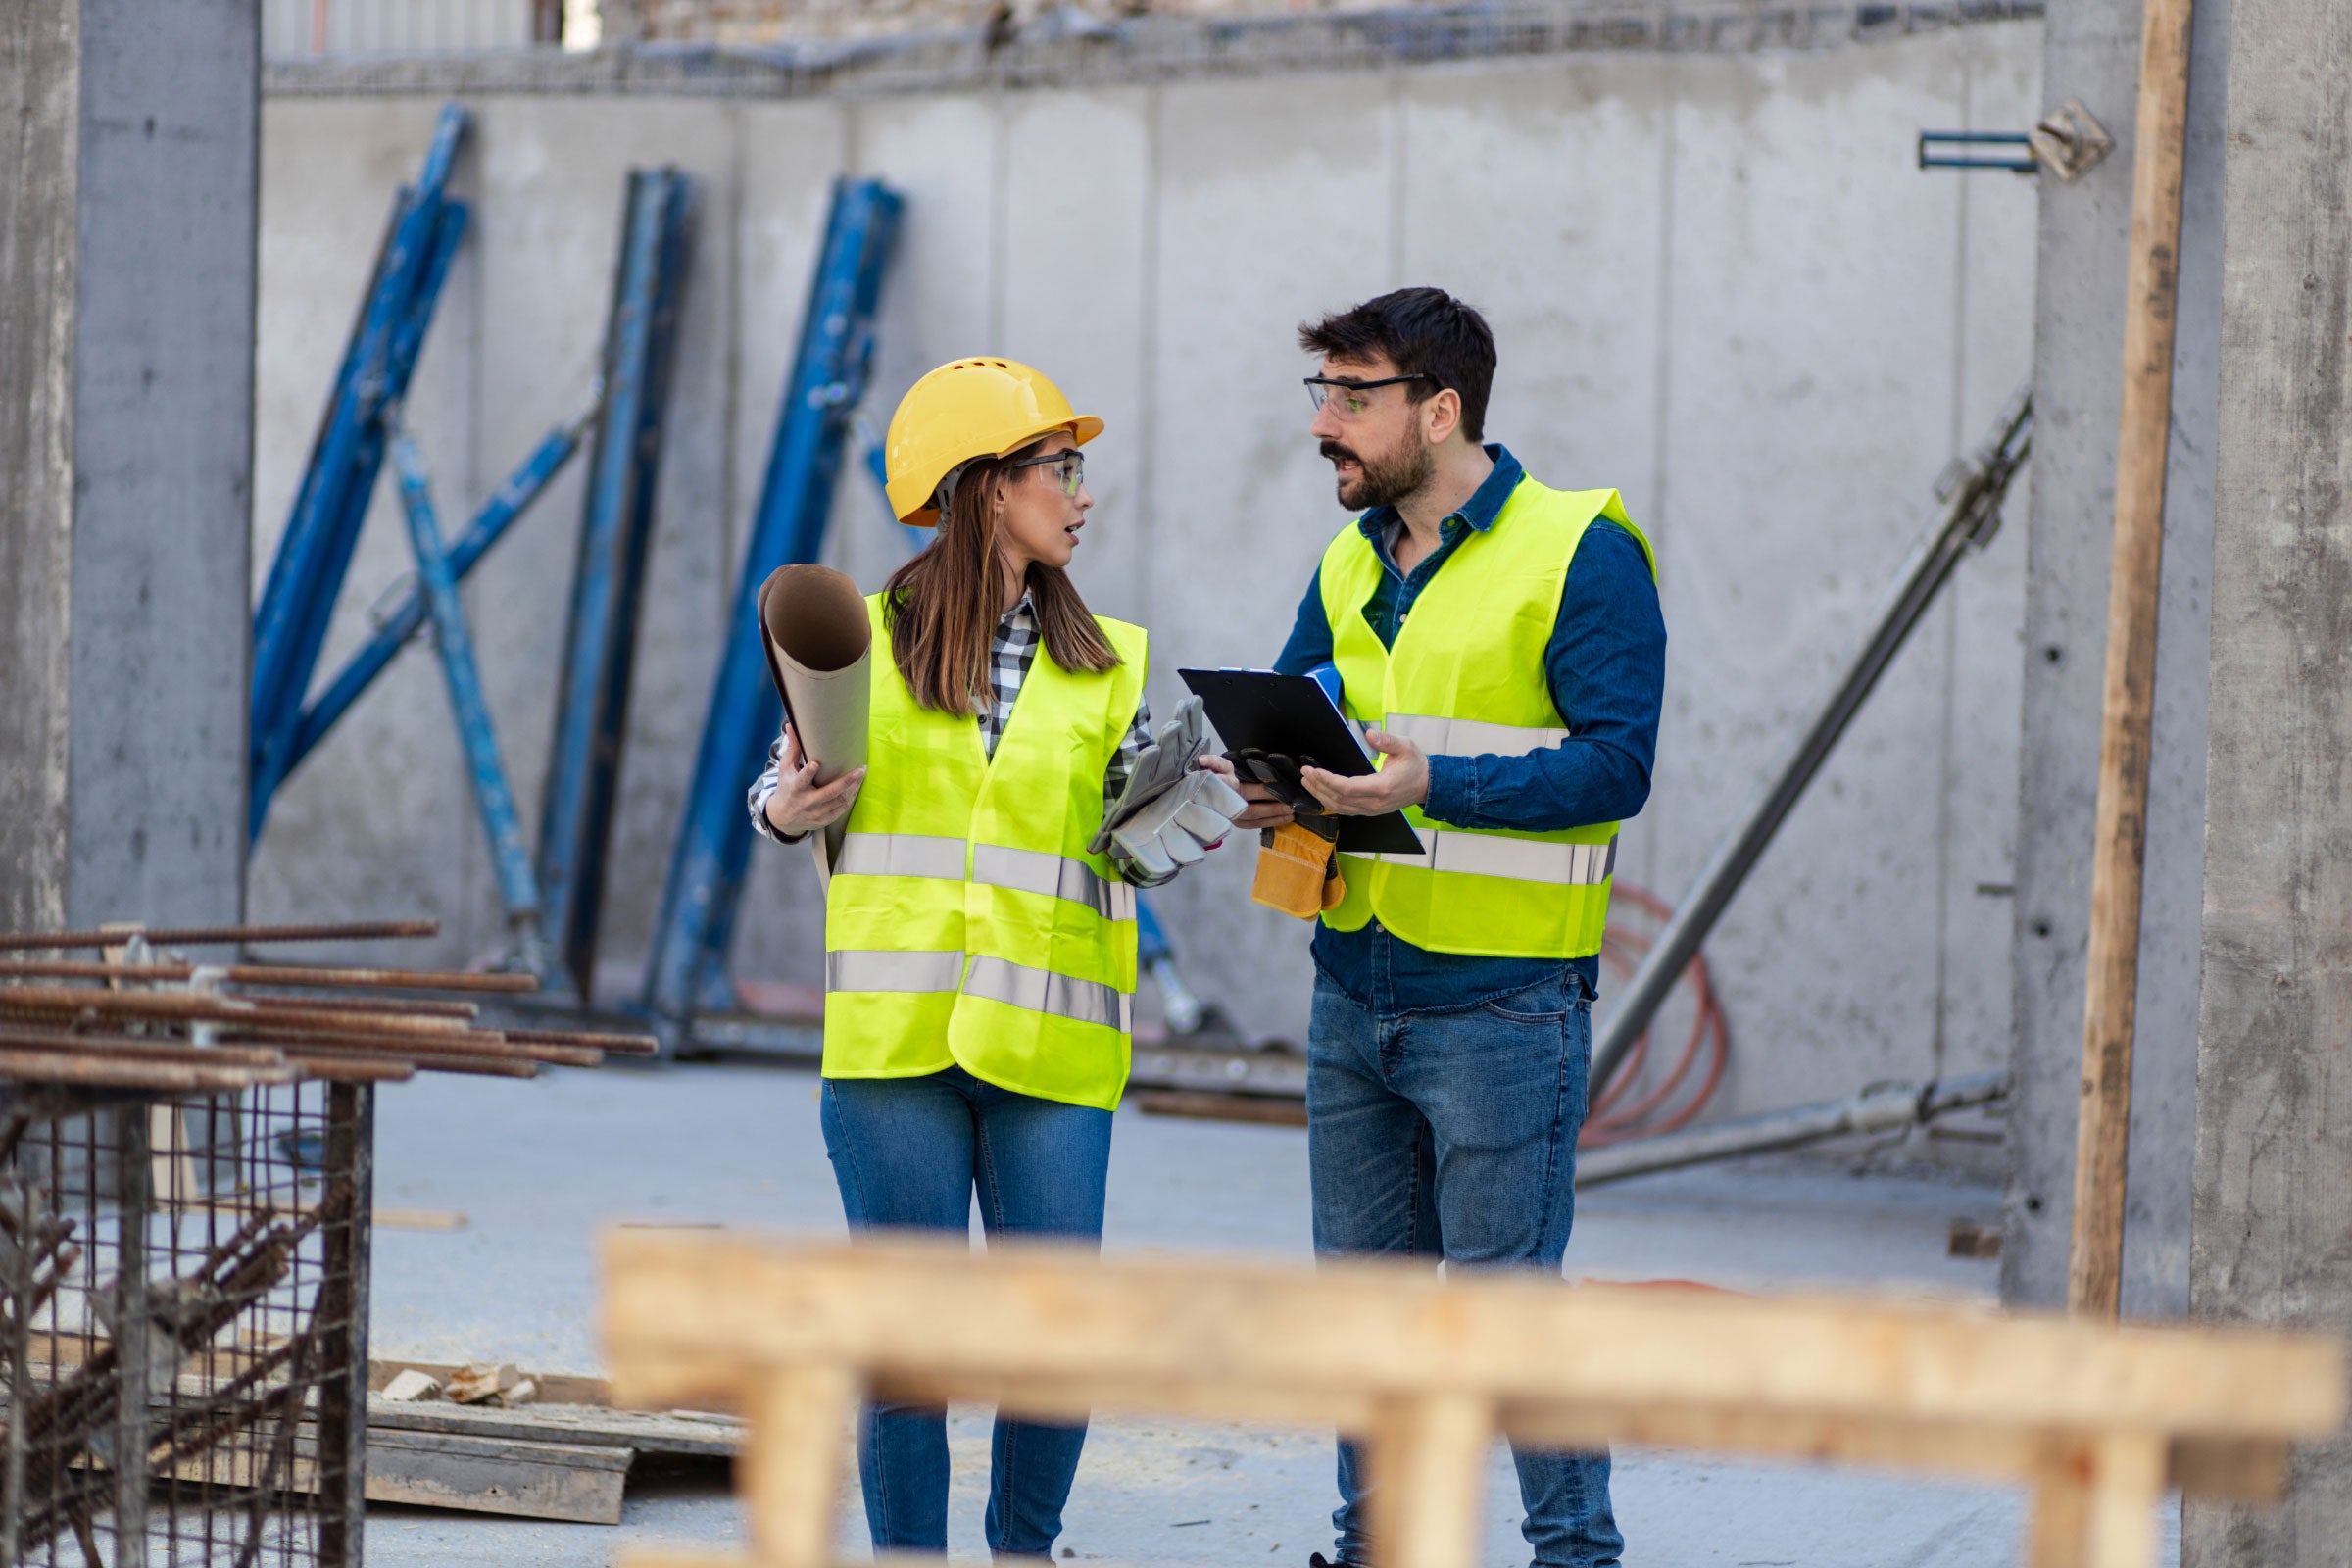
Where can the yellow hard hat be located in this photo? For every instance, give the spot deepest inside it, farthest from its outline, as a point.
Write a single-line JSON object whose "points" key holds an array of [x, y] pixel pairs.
{"points": [[966, 408]]}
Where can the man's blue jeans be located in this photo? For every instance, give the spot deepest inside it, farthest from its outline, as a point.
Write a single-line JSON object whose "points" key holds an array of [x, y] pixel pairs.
{"points": [[1453, 1132], [909, 1153]]}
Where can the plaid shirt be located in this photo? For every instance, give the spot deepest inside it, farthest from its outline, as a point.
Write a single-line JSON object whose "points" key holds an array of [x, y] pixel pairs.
{"points": [[1011, 651]]}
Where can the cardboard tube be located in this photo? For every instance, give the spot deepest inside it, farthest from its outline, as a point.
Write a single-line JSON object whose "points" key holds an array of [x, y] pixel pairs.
{"points": [[819, 647]]}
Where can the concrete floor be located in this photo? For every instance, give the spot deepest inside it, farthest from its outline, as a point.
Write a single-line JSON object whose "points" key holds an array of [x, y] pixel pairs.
{"points": [[539, 1167]]}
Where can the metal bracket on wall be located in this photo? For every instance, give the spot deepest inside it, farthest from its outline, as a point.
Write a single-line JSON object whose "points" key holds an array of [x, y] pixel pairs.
{"points": [[2068, 142]]}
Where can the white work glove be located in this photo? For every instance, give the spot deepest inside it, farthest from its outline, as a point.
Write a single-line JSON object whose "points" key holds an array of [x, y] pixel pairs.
{"points": [[1170, 813], [1181, 826]]}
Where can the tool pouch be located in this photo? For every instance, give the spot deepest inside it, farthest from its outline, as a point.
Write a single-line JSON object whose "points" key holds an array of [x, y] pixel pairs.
{"points": [[1296, 872]]}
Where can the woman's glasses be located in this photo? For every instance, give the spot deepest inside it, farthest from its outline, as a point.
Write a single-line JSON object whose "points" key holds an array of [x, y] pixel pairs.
{"points": [[1067, 469]]}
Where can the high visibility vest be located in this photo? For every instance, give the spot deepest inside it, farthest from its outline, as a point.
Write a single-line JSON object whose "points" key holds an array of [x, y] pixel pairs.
{"points": [[965, 921], [1466, 677]]}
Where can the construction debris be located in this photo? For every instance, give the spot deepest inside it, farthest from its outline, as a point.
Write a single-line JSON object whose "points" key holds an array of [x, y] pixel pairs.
{"points": [[412, 1385], [477, 1383]]}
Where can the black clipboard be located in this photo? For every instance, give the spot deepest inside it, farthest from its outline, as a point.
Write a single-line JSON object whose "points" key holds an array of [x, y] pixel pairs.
{"points": [[1257, 709]]}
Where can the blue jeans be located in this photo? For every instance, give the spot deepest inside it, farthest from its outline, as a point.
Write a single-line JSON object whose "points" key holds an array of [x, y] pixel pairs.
{"points": [[1453, 1132], [909, 1152]]}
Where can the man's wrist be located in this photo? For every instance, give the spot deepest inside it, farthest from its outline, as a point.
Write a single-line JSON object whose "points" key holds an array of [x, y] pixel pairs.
{"points": [[1452, 792]]}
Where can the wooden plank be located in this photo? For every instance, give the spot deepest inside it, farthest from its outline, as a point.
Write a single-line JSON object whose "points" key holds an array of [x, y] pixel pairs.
{"points": [[1428, 1463], [2119, 844], [574, 1483], [791, 1470], [906, 1307], [715, 1436], [2060, 1516], [570, 1482], [2127, 1481]]}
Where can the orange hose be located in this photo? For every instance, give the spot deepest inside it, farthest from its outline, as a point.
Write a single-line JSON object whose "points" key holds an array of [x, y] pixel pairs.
{"points": [[1608, 1122]]}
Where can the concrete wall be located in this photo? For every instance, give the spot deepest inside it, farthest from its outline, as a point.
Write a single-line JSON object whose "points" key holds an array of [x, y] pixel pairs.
{"points": [[1718, 282], [2272, 1229], [2094, 57], [126, 300]]}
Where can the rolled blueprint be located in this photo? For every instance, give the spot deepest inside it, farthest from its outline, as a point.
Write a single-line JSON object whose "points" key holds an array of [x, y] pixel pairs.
{"points": [[819, 647]]}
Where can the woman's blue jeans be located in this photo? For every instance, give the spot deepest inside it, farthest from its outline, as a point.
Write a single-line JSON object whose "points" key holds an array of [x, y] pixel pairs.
{"points": [[909, 1153]]}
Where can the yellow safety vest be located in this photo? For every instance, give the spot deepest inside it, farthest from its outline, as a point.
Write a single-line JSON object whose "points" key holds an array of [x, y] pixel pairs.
{"points": [[1466, 677], [965, 922]]}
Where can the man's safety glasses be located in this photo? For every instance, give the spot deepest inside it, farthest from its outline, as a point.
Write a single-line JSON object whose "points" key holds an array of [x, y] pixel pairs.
{"points": [[1067, 470], [1347, 397]]}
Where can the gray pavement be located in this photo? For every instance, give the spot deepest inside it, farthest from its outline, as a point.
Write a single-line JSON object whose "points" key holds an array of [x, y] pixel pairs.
{"points": [[540, 1168]]}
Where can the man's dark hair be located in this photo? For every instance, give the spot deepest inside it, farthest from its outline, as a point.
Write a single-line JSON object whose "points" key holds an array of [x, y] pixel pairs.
{"points": [[1422, 332]]}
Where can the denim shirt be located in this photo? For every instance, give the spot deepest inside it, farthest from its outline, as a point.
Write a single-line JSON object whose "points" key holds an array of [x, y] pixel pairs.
{"points": [[1605, 667]]}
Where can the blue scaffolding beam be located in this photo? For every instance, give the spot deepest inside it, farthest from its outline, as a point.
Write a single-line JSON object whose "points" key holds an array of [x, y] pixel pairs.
{"points": [[616, 525], [493, 796], [315, 553], [691, 937]]}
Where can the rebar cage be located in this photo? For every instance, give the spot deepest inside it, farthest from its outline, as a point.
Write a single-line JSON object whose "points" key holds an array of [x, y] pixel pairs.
{"points": [[183, 1289]]}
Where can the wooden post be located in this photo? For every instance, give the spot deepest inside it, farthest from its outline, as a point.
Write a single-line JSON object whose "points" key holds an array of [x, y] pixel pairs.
{"points": [[2061, 1512], [2096, 1265], [790, 1471], [1428, 1460], [2128, 1483]]}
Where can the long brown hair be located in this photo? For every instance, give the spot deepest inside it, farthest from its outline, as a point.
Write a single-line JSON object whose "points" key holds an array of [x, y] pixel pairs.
{"points": [[943, 607]]}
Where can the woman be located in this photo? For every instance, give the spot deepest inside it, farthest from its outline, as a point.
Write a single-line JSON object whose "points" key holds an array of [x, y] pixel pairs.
{"points": [[980, 957]]}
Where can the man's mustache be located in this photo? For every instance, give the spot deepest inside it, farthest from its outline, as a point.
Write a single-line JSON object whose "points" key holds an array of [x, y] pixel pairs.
{"points": [[1338, 453]]}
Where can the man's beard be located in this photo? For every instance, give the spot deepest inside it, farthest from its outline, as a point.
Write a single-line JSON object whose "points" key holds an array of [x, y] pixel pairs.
{"points": [[1385, 479]]}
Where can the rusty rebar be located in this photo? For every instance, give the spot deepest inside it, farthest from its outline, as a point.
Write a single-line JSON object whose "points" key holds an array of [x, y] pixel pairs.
{"points": [[488, 1044], [190, 1006], [198, 936], [319, 977], [609, 1045]]}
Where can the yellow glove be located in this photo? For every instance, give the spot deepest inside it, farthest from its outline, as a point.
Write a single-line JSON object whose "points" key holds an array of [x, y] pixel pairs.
{"points": [[1296, 870]]}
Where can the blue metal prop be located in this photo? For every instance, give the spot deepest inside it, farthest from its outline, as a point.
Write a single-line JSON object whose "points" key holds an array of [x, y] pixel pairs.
{"points": [[406, 619], [616, 524], [688, 966], [315, 553], [437, 581]]}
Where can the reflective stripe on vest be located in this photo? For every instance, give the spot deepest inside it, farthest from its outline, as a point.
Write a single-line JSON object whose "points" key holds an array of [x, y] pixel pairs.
{"points": [[1056, 995], [1470, 737], [900, 855], [1016, 985], [1024, 871], [1514, 860], [1054, 876], [870, 969]]}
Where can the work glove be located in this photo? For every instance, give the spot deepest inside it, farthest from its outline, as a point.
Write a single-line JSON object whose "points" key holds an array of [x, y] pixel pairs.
{"points": [[1169, 815]]}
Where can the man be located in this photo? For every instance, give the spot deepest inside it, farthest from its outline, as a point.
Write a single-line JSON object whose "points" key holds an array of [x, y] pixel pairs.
{"points": [[1504, 641]]}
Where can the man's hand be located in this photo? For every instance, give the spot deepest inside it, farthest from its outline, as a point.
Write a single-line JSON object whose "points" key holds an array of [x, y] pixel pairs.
{"points": [[801, 804], [1264, 809], [1403, 780]]}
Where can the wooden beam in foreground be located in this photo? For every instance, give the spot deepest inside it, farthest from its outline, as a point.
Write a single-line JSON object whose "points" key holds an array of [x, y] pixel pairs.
{"points": [[2094, 1419]]}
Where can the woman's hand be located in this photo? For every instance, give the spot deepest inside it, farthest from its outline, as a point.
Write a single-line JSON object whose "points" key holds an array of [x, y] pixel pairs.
{"points": [[799, 804], [1264, 809]]}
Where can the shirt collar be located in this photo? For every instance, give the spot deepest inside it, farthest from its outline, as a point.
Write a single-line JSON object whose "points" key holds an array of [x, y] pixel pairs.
{"points": [[1025, 605], [1479, 512]]}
